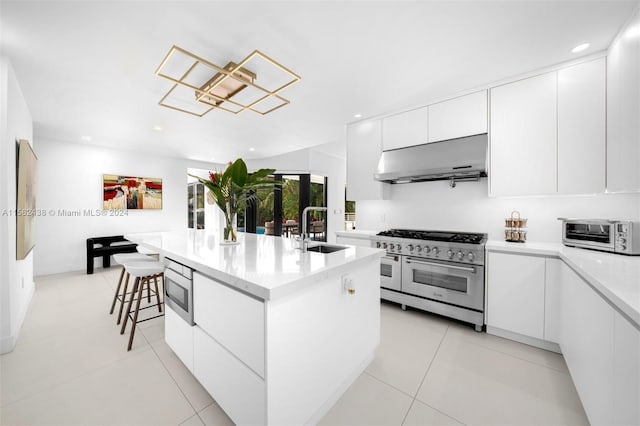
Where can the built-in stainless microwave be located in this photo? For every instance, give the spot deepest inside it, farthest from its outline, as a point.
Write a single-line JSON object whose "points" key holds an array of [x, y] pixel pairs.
{"points": [[178, 289], [616, 236]]}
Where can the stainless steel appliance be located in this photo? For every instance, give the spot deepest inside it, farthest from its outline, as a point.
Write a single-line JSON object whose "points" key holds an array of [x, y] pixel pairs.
{"points": [[178, 289], [437, 271], [454, 159], [616, 236]]}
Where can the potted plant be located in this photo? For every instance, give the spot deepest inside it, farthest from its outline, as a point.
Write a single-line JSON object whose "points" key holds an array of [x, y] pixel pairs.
{"points": [[232, 190]]}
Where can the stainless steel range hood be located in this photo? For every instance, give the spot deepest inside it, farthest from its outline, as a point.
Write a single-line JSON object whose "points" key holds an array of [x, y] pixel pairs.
{"points": [[453, 159]]}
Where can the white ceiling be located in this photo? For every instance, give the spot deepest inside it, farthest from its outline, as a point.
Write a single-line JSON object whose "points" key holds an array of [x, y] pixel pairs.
{"points": [[87, 68]]}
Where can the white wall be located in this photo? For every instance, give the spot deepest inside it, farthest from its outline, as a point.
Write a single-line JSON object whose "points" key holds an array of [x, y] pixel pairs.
{"points": [[318, 163], [70, 179], [16, 276], [434, 205]]}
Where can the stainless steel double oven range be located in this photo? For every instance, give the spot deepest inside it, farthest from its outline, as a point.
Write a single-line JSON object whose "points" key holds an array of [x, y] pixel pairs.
{"points": [[436, 271]]}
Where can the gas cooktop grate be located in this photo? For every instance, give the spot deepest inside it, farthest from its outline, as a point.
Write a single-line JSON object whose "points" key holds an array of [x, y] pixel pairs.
{"points": [[453, 237]]}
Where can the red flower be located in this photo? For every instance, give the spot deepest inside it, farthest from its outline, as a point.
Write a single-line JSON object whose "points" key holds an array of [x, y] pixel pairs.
{"points": [[213, 177]]}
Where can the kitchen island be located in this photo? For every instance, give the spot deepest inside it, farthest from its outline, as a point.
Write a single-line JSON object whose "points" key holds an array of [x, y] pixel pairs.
{"points": [[279, 334]]}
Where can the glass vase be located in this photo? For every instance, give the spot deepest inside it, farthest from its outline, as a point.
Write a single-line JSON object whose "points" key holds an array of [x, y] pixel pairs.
{"points": [[230, 231]]}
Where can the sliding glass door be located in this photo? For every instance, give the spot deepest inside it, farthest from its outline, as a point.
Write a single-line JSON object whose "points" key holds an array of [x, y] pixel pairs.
{"points": [[280, 211]]}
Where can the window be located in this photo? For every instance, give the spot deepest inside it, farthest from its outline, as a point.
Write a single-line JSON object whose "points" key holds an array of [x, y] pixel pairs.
{"points": [[195, 205]]}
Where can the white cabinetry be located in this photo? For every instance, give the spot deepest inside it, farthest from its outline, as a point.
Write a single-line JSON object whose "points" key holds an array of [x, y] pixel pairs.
{"points": [[239, 390], [587, 324], [179, 336], [234, 319], [360, 240], [458, 117], [626, 372], [364, 145], [623, 110], [515, 293], [581, 128], [552, 294], [523, 137], [405, 129]]}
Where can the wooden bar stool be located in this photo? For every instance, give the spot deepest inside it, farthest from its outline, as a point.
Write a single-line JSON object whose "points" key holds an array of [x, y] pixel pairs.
{"points": [[122, 258], [143, 272]]}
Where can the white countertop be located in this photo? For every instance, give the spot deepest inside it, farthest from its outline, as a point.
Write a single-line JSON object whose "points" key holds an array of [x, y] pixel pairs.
{"points": [[267, 267], [615, 276]]}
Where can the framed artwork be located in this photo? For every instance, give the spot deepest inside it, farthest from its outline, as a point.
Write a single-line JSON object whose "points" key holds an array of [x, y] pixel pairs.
{"points": [[131, 193], [26, 199]]}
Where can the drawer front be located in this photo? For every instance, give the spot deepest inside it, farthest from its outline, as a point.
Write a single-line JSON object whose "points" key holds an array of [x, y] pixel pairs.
{"points": [[237, 389], [179, 336], [234, 319]]}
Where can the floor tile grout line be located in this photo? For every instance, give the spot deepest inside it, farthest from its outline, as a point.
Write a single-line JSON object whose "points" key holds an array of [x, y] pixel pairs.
{"points": [[388, 384], [172, 378], [435, 354]]}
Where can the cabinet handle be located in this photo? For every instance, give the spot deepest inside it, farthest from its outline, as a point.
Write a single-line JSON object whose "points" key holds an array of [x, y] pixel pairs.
{"points": [[351, 291]]}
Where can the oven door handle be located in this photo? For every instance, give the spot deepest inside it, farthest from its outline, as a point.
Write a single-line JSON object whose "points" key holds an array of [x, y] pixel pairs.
{"points": [[394, 258], [460, 268]]}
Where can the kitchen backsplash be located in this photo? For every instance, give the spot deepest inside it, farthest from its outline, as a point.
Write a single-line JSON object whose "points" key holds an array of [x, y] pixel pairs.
{"points": [[434, 205]]}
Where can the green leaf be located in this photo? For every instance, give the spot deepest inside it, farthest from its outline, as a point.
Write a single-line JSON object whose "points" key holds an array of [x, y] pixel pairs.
{"points": [[237, 172]]}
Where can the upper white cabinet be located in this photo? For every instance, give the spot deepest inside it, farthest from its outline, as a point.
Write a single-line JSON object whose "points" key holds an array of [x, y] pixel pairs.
{"points": [[458, 117], [405, 129], [623, 110], [581, 128], [524, 137], [364, 145]]}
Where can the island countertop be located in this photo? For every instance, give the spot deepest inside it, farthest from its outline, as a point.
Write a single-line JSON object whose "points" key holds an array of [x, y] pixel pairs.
{"points": [[265, 266]]}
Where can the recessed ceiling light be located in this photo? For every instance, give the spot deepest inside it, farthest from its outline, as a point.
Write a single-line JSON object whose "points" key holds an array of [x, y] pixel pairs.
{"points": [[580, 48], [86, 138], [158, 128], [357, 115], [252, 149]]}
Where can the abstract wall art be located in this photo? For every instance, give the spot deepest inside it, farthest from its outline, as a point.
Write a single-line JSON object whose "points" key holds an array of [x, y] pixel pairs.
{"points": [[131, 193], [26, 199]]}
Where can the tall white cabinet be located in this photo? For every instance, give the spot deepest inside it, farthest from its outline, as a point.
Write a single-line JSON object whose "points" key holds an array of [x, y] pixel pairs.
{"points": [[548, 133], [582, 128], [523, 137], [623, 110]]}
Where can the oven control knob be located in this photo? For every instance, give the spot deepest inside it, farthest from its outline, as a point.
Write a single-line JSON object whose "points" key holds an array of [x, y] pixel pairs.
{"points": [[435, 251], [622, 240], [470, 256], [384, 245], [378, 244], [450, 253], [623, 247], [410, 247], [391, 246], [460, 255], [426, 249], [418, 249]]}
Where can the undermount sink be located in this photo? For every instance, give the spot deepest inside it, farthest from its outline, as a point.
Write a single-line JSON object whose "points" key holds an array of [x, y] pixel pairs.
{"points": [[324, 248]]}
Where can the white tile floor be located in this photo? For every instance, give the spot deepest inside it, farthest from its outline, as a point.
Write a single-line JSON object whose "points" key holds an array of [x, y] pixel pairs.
{"points": [[71, 367]]}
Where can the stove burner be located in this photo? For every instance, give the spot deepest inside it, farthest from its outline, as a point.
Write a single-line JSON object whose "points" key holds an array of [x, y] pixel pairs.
{"points": [[453, 237]]}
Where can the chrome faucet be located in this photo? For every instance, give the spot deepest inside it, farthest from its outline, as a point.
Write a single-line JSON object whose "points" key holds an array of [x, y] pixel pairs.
{"points": [[304, 236]]}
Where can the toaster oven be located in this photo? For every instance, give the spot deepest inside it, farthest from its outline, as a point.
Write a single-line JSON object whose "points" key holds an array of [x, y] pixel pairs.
{"points": [[616, 236]]}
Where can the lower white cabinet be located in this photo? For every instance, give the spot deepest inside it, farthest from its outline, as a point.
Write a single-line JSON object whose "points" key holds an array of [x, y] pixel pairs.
{"points": [[626, 372], [587, 343], [552, 294], [179, 336], [515, 293], [235, 387], [234, 319]]}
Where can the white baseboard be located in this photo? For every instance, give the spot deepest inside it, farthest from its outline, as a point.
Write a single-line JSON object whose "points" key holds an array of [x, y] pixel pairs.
{"points": [[527, 340], [8, 343]]}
